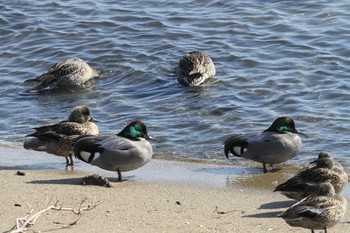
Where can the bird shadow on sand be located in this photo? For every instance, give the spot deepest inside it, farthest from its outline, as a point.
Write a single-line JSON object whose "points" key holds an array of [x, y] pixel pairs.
{"points": [[37, 166], [75, 181], [271, 206], [70, 181], [277, 204]]}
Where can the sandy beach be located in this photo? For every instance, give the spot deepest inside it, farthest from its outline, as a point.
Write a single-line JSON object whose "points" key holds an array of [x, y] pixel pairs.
{"points": [[159, 203]]}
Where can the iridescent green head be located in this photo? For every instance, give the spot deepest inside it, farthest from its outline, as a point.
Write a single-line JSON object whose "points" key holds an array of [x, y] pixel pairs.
{"points": [[283, 124], [135, 131]]}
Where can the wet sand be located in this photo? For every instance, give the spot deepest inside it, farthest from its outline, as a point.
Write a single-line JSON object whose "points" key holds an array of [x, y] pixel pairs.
{"points": [[163, 196]]}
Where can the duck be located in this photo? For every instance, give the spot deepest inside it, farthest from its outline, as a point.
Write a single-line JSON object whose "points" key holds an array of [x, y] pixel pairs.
{"points": [[72, 72], [306, 181], [194, 68], [57, 138], [277, 144], [126, 151], [319, 211]]}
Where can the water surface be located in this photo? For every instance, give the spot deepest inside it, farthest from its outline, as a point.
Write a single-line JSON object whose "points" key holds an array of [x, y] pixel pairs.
{"points": [[272, 58]]}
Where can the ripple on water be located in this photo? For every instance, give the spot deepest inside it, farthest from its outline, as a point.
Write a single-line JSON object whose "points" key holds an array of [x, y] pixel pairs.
{"points": [[272, 58]]}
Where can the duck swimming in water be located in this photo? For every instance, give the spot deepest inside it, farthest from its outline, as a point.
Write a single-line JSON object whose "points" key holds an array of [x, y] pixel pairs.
{"points": [[194, 68], [73, 72]]}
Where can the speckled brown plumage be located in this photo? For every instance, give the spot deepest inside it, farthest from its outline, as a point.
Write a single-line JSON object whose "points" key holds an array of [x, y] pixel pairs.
{"points": [[68, 73], [57, 138], [305, 183], [319, 211], [194, 68]]}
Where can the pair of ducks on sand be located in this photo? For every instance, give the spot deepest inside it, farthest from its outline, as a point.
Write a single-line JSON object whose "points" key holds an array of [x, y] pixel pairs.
{"points": [[316, 188], [79, 136], [193, 69]]}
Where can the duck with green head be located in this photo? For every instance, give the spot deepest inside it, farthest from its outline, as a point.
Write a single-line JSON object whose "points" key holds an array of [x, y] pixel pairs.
{"points": [[125, 151], [277, 144]]}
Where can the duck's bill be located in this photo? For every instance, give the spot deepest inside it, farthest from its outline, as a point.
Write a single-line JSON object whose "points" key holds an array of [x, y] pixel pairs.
{"points": [[304, 134], [313, 162], [94, 120], [151, 138]]}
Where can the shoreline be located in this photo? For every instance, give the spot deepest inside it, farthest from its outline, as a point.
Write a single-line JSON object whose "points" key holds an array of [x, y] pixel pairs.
{"points": [[162, 196], [195, 173]]}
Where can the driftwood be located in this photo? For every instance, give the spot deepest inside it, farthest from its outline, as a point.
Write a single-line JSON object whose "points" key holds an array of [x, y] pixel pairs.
{"points": [[22, 224]]}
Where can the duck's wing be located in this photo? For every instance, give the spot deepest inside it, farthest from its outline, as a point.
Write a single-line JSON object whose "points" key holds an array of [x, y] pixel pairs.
{"points": [[295, 184], [236, 144], [54, 74], [302, 211], [45, 129], [308, 208], [63, 128], [86, 146]]}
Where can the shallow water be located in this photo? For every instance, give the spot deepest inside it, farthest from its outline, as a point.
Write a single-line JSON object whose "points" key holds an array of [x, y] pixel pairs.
{"points": [[194, 174], [272, 58]]}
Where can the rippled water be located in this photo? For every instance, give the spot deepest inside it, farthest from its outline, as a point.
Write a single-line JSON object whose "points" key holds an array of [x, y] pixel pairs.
{"points": [[272, 58]]}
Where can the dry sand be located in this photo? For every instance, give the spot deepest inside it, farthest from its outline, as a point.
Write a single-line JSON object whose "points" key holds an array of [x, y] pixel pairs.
{"points": [[145, 205]]}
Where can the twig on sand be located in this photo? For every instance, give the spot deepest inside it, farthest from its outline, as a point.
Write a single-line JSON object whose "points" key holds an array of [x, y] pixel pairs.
{"points": [[216, 210], [22, 224]]}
